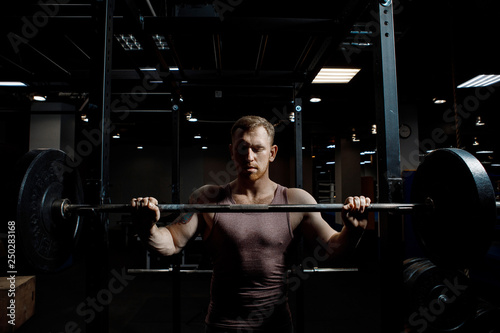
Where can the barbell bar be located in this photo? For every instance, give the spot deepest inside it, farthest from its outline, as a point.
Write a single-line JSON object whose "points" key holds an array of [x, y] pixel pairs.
{"points": [[67, 209], [209, 271], [453, 211]]}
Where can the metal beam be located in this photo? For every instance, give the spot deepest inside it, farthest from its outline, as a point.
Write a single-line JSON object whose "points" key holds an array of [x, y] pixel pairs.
{"points": [[299, 176], [389, 171]]}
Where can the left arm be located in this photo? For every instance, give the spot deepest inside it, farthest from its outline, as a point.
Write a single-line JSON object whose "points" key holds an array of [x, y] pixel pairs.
{"points": [[317, 230]]}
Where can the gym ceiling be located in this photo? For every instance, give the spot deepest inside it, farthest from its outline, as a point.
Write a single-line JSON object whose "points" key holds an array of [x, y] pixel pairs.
{"points": [[253, 57]]}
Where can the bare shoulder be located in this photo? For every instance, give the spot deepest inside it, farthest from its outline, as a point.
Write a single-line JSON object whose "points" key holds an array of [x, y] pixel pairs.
{"points": [[298, 196], [207, 194]]}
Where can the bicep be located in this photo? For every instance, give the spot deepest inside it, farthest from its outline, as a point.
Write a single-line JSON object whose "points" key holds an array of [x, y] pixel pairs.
{"points": [[189, 224], [313, 226], [183, 229]]}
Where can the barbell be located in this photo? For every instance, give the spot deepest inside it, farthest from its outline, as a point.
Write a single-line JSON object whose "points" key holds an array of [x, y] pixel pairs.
{"points": [[453, 214]]}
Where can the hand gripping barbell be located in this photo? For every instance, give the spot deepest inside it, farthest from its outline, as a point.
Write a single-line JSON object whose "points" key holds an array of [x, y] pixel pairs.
{"points": [[453, 214]]}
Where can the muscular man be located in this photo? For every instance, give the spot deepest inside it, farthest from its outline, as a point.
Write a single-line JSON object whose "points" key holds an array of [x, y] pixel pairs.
{"points": [[248, 250]]}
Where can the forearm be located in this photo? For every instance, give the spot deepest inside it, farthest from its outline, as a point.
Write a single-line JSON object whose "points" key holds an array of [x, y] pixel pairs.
{"points": [[160, 240], [343, 243]]}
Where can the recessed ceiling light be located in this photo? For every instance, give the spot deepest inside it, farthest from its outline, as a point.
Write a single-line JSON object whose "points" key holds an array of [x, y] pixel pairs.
{"points": [[116, 136], [12, 84], [482, 80], [173, 68], [39, 98], [315, 100], [197, 136], [335, 75], [484, 152], [204, 147], [438, 101], [147, 69], [140, 147]]}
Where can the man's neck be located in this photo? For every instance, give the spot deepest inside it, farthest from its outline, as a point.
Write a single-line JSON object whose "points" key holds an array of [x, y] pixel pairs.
{"points": [[253, 189]]}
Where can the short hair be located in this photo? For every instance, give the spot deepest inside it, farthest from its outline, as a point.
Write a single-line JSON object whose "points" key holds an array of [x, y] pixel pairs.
{"points": [[248, 123]]}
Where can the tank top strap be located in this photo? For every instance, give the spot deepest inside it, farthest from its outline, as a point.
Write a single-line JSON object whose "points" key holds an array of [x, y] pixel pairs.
{"points": [[280, 196], [227, 198]]}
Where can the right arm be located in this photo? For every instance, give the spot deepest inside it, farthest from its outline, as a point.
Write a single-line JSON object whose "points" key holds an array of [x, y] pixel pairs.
{"points": [[167, 240]]}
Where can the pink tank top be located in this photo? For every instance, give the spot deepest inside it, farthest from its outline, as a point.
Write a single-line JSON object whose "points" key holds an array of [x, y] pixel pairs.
{"points": [[248, 287]]}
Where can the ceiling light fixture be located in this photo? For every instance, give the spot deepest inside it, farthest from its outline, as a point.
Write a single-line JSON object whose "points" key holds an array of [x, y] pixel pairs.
{"points": [[39, 98], [147, 69], [482, 80], [129, 42], [479, 122], [354, 137], [475, 143], [161, 42], [12, 84], [204, 147], [315, 100], [335, 75], [140, 147], [197, 136], [438, 101], [190, 118], [116, 136], [374, 129]]}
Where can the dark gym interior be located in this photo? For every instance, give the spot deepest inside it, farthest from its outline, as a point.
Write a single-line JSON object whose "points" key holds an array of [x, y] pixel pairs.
{"points": [[140, 95]]}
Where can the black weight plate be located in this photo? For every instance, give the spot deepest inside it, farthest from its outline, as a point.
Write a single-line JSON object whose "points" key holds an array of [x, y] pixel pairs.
{"points": [[458, 231], [439, 299], [487, 318], [44, 239]]}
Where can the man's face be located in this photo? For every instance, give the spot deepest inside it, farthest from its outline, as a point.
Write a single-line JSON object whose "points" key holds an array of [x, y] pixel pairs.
{"points": [[252, 151]]}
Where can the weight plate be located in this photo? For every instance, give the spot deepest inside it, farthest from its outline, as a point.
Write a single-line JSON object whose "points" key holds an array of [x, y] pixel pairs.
{"points": [[438, 299], [458, 231], [44, 240]]}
